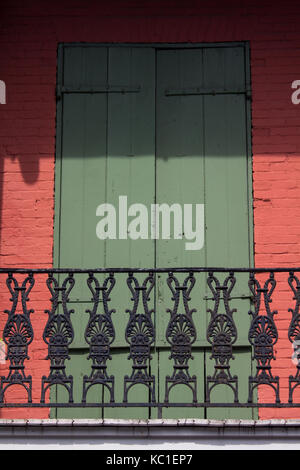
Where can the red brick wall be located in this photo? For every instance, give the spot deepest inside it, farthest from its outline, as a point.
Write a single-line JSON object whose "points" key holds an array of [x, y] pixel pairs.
{"points": [[29, 34]]}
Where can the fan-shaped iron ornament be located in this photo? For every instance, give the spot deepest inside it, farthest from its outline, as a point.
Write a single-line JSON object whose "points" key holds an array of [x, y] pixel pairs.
{"points": [[18, 335], [181, 334], [58, 335], [99, 335], [221, 334], [140, 335], [263, 336]]}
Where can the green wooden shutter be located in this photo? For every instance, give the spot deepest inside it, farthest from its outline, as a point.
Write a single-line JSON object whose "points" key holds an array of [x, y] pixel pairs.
{"points": [[202, 158], [158, 125], [108, 150]]}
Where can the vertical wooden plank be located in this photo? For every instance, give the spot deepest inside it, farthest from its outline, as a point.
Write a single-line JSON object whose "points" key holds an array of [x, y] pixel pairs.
{"points": [[179, 146], [83, 159], [131, 146], [226, 170]]}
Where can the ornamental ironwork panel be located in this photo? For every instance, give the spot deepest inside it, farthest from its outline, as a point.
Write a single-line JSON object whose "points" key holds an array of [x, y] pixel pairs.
{"points": [[221, 334], [58, 335], [181, 334], [17, 335], [194, 327], [294, 333], [263, 336], [140, 335], [99, 335]]}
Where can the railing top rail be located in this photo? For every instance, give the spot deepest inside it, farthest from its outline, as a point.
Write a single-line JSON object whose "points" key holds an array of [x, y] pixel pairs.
{"points": [[148, 270]]}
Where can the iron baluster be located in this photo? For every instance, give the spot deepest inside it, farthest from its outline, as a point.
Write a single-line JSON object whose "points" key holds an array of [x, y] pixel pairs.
{"points": [[18, 335], [58, 335], [140, 335], [181, 334], [99, 335], [221, 334], [263, 336], [294, 333]]}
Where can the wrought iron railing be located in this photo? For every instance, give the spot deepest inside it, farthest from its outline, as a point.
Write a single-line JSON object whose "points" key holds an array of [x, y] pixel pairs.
{"points": [[184, 297]]}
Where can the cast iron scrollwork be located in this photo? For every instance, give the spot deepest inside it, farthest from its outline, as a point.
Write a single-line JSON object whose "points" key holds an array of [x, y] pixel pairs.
{"points": [[181, 334], [58, 335], [263, 336], [294, 333], [140, 335], [99, 334], [221, 334], [18, 335]]}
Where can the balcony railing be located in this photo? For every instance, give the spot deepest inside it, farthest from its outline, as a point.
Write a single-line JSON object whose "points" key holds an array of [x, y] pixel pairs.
{"points": [[139, 311]]}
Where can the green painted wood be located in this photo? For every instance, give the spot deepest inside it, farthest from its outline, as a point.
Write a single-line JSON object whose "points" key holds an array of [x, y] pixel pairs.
{"points": [[154, 147], [78, 367], [181, 393], [241, 366]]}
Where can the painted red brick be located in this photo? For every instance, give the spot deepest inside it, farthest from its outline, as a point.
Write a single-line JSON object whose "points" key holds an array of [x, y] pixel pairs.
{"points": [[29, 35]]}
